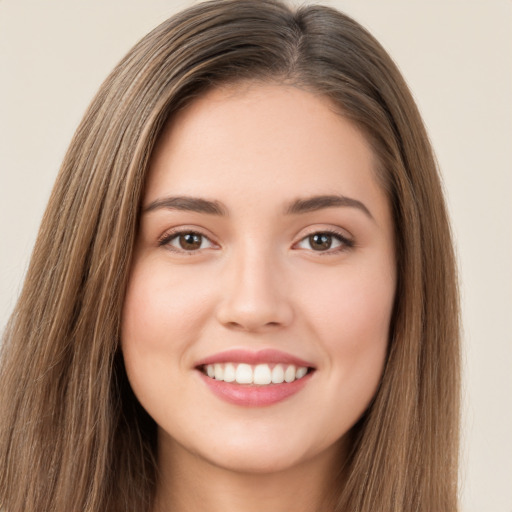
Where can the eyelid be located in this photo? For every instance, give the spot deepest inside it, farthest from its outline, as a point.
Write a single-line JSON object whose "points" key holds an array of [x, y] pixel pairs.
{"points": [[346, 242], [169, 235]]}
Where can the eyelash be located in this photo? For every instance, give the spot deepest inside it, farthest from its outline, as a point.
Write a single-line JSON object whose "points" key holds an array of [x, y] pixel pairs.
{"points": [[168, 237], [345, 242]]}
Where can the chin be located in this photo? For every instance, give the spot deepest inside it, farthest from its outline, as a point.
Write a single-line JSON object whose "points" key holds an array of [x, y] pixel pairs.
{"points": [[258, 460], [259, 452], [255, 462]]}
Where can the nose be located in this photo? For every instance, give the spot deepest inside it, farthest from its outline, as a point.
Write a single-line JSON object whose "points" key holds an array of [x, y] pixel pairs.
{"points": [[255, 296]]}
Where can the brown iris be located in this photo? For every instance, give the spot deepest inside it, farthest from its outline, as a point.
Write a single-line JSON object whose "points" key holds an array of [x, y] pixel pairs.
{"points": [[190, 241], [320, 241]]}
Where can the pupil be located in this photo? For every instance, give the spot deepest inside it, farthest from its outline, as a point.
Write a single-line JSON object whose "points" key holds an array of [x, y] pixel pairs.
{"points": [[320, 241], [190, 241]]}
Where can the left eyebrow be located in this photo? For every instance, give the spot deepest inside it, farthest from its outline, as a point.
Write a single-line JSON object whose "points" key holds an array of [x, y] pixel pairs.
{"points": [[315, 203]]}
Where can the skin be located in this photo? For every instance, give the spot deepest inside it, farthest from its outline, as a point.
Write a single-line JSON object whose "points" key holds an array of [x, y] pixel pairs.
{"points": [[257, 281]]}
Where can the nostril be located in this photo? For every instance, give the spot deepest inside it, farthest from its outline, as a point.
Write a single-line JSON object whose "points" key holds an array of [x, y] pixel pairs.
{"points": [[235, 325], [251, 325]]}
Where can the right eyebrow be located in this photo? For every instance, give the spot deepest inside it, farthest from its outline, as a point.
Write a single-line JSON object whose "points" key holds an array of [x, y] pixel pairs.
{"points": [[187, 203]]}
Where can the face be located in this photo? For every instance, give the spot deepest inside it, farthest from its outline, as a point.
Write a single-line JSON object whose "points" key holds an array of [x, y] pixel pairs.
{"points": [[256, 320]]}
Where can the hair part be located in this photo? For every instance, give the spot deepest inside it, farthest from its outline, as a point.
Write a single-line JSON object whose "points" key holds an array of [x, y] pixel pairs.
{"points": [[72, 434]]}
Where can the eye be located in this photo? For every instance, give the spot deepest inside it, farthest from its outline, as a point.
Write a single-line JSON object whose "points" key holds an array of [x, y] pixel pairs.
{"points": [[188, 241], [323, 241]]}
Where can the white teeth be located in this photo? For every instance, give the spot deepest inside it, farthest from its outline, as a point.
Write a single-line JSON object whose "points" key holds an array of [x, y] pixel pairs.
{"points": [[219, 371], [229, 373], [301, 371], [278, 374], [244, 374], [260, 374], [289, 374]]}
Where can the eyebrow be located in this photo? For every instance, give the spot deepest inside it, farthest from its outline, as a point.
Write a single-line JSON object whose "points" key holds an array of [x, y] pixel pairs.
{"points": [[315, 203], [191, 204], [298, 206]]}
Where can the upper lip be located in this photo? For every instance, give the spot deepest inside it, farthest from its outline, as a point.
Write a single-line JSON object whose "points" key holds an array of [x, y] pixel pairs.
{"points": [[254, 357]]}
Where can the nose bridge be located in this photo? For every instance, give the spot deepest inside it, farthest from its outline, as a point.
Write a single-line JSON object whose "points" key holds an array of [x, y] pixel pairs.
{"points": [[255, 295]]}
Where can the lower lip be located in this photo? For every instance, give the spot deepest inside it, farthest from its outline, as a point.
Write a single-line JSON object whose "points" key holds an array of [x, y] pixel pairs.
{"points": [[252, 395]]}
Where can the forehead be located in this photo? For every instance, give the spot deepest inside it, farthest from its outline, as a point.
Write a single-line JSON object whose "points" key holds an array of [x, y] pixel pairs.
{"points": [[262, 141]]}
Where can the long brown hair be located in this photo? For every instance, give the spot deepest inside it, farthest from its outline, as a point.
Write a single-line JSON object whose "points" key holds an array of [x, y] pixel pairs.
{"points": [[72, 434]]}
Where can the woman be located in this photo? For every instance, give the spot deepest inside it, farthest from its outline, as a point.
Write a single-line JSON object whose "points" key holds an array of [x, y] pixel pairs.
{"points": [[243, 290]]}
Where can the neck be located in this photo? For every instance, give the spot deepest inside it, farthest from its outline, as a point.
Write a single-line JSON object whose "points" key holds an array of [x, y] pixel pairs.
{"points": [[188, 482]]}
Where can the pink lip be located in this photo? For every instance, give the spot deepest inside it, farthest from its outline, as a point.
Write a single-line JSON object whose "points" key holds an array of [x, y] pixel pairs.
{"points": [[252, 395], [268, 356]]}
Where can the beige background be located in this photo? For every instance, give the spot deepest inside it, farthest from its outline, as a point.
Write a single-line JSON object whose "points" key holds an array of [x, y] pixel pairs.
{"points": [[456, 56]]}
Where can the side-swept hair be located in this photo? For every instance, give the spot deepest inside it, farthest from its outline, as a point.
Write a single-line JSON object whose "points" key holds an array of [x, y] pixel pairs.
{"points": [[72, 434]]}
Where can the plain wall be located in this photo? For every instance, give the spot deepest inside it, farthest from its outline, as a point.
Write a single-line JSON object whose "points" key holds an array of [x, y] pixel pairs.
{"points": [[456, 56]]}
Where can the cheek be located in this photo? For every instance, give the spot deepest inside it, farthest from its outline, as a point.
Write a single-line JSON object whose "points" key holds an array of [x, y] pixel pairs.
{"points": [[160, 321], [354, 305], [161, 307], [351, 317]]}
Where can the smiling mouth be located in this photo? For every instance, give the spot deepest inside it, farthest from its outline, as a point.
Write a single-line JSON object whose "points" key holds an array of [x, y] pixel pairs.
{"points": [[256, 375]]}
